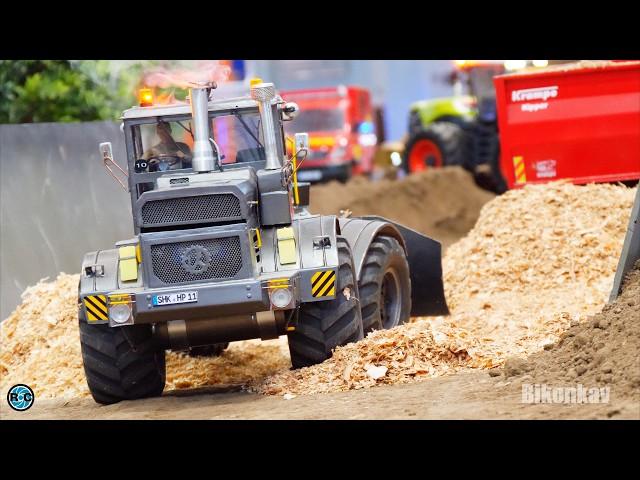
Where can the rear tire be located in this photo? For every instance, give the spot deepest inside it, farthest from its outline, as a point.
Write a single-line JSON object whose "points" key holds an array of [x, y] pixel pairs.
{"points": [[385, 285], [346, 174], [450, 140], [324, 325], [117, 369]]}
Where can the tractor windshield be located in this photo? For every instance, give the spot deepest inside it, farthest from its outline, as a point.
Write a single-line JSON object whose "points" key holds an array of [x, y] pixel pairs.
{"points": [[164, 144], [481, 81]]}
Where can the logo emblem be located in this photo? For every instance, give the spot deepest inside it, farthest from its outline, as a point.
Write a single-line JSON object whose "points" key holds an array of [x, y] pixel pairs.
{"points": [[196, 259], [539, 93], [20, 397]]}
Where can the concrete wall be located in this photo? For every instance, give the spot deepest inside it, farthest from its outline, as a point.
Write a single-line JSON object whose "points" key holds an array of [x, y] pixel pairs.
{"points": [[57, 202]]}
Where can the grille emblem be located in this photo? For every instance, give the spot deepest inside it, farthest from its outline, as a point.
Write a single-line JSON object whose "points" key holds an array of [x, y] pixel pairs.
{"points": [[196, 259]]}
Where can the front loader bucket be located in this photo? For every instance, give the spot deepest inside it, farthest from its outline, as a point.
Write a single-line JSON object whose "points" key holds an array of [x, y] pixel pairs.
{"points": [[630, 249], [425, 264]]}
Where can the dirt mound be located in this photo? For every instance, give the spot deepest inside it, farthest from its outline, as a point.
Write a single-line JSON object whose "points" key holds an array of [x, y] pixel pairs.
{"points": [[442, 203], [601, 351]]}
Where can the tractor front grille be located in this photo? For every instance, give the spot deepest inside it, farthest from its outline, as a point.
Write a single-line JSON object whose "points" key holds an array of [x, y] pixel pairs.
{"points": [[195, 261], [195, 209]]}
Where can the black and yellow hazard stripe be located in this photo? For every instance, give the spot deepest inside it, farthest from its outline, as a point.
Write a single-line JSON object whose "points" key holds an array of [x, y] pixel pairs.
{"points": [[96, 306], [323, 284]]}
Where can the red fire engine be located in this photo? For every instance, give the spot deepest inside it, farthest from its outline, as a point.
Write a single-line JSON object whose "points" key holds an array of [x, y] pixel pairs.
{"points": [[342, 136]]}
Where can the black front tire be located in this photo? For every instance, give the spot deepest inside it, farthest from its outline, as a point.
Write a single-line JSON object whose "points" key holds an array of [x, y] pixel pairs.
{"points": [[324, 325], [385, 285], [121, 363]]}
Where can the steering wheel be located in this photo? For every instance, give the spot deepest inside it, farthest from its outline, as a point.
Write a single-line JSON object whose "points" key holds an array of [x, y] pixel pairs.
{"points": [[164, 162]]}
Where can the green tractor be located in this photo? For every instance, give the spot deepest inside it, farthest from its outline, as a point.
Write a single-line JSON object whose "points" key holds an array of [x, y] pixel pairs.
{"points": [[459, 130]]}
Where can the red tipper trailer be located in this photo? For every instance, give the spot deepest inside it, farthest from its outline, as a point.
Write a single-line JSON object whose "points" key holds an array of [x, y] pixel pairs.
{"points": [[578, 121]]}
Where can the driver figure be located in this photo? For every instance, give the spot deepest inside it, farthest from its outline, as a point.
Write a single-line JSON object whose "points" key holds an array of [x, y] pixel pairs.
{"points": [[167, 154]]}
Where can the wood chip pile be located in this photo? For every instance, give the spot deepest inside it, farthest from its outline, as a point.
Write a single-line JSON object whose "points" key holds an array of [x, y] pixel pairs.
{"points": [[538, 259]]}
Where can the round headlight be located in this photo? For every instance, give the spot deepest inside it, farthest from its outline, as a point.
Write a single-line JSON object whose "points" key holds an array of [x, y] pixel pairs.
{"points": [[281, 297], [120, 313]]}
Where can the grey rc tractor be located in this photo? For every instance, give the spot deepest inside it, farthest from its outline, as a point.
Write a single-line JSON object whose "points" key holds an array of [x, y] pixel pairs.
{"points": [[226, 249]]}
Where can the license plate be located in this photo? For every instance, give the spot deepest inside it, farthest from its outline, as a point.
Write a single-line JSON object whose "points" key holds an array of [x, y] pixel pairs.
{"points": [[304, 175], [173, 298]]}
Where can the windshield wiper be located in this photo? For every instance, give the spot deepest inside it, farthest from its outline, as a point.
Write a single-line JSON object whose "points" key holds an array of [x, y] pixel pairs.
{"points": [[247, 128], [186, 129]]}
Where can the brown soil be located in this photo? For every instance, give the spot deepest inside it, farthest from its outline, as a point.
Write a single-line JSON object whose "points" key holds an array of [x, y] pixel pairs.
{"points": [[604, 350], [443, 204]]}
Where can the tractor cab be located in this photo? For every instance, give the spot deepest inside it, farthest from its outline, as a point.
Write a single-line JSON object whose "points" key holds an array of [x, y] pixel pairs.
{"points": [[165, 176], [474, 79]]}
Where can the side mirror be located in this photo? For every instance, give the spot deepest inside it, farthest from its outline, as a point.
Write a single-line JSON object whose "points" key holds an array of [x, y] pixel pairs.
{"points": [[290, 111], [106, 153]]}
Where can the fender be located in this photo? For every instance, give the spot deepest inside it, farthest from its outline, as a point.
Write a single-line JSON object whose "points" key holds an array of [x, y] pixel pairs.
{"points": [[452, 107], [105, 262], [423, 254], [310, 229], [106, 259]]}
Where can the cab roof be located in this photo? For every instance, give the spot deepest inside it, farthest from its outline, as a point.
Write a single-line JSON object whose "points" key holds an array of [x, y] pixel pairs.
{"points": [[185, 108]]}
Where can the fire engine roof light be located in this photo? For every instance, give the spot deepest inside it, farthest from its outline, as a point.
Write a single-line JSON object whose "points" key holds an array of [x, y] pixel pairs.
{"points": [[145, 96], [540, 63]]}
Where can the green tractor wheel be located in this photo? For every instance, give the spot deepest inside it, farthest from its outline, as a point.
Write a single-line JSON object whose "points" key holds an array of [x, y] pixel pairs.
{"points": [[438, 145]]}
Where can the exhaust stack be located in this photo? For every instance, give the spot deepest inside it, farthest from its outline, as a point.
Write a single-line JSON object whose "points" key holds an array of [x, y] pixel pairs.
{"points": [[263, 93], [203, 159]]}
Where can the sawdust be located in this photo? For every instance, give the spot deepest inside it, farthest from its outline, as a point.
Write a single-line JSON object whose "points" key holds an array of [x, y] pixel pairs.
{"points": [[40, 346], [242, 363], [404, 354], [538, 259]]}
